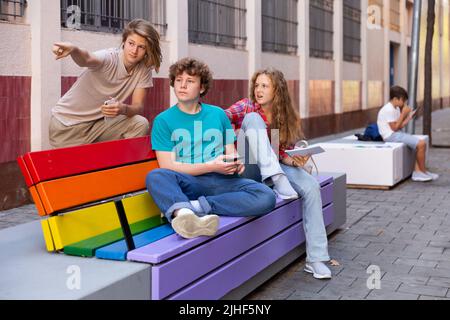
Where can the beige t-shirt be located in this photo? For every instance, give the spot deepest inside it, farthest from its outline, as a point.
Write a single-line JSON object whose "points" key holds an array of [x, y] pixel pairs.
{"points": [[96, 85]]}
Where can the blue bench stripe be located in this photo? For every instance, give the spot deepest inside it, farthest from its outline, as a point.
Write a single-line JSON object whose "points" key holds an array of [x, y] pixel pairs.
{"points": [[119, 250]]}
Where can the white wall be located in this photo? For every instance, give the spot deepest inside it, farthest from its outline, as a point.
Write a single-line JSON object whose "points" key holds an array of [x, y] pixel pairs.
{"points": [[288, 64], [375, 55], [15, 51], [224, 63], [352, 71], [321, 69]]}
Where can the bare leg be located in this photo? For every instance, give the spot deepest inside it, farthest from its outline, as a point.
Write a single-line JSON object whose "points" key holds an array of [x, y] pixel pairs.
{"points": [[420, 156]]}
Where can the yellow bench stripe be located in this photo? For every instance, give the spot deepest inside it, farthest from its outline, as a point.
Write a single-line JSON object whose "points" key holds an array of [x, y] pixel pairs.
{"points": [[90, 222]]}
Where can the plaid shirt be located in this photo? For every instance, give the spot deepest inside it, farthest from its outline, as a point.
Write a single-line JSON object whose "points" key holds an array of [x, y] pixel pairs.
{"points": [[236, 113]]}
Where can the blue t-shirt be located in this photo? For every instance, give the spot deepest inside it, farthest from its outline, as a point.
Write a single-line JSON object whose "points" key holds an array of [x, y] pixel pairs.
{"points": [[195, 138]]}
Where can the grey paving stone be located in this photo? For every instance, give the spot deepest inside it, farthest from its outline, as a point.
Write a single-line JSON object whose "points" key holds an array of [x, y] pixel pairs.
{"points": [[381, 238], [416, 262], [429, 272], [423, 290], [422, 297], [399, 254], [421, 243], [377, 295], [440, 281], [443, 265], [445, 256], [348, 292], [425, 249], [341, 281], [301, 295], [385, 286], [439, 244], [408, 279], [269, 294], [344, 244]]}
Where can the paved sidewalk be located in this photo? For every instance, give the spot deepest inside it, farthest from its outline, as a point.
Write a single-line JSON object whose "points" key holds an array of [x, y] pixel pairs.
{"points": [[405, 232]]}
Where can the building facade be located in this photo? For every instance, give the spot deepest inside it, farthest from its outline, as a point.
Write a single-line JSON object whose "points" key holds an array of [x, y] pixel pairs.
{"points": [[340, 58]]}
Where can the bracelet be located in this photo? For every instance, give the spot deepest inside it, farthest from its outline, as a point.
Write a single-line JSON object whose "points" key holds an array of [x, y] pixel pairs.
{"points": [[126, 109]]}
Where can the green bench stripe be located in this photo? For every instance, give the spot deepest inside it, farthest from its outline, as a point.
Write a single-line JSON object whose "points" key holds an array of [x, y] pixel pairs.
{"points": [[87, 247]]}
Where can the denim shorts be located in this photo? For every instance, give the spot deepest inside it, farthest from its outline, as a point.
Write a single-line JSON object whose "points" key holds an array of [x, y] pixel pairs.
{"points": [[408, 139]]}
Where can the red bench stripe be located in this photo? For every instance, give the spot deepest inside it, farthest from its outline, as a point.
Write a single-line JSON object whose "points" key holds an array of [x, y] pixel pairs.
{"points": [[65, 162], [25, 172]]}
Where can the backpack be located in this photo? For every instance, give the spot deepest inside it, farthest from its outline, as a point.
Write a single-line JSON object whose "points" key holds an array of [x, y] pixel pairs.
{"points": [[370, 134]]}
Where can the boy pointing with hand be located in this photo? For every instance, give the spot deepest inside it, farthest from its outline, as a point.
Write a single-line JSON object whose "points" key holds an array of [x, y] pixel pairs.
{"points": [[110, 77]]}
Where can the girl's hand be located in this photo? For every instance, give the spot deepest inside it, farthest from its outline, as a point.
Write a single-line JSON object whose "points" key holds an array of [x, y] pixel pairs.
{"points": [[300, 161]]}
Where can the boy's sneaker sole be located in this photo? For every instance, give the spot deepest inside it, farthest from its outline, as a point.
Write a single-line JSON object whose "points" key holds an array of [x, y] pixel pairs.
{"points": [[309, 269], [190, 226]]}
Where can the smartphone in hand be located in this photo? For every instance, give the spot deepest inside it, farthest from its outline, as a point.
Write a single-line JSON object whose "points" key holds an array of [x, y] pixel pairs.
{"points": [[236, 158]]}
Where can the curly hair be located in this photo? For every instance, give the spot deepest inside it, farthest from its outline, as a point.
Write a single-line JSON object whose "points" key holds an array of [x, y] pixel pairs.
{"points": [[284, 116], [192, 67]]}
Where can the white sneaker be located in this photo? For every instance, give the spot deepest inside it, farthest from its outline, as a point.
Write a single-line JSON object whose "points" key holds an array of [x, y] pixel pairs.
{"points": [[420, 176], [433, 176], [282, 187], [189, 226], [318, 269]]}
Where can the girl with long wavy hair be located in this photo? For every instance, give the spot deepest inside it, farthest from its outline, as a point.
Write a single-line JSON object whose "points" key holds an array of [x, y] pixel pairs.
{"points": [[267, 124]]}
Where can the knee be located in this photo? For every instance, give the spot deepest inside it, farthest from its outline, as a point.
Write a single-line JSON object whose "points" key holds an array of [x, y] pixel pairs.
{"points": [[155, 176], [253, 119], [266, 199], [309, 188], [422, 144], [141, 125]]}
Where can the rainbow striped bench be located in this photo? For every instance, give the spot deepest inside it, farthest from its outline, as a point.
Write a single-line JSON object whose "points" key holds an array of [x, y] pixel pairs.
{"points": [[93, 203]]}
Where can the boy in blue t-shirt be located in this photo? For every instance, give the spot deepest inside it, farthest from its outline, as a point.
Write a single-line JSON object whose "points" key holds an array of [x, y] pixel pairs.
{"points": [[199, 170]]}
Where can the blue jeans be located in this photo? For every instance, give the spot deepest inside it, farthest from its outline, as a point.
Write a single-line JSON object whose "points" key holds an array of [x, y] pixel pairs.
{"points": [[309, 190], [216, 193], [302, 182]]}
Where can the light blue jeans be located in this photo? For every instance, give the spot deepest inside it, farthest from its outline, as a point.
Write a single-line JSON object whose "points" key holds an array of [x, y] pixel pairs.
{"points": [[304, 184]]}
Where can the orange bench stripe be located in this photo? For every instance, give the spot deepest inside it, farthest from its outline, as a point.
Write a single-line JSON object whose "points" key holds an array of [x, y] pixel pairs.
{"points": [[77, 190], [37, 201]]}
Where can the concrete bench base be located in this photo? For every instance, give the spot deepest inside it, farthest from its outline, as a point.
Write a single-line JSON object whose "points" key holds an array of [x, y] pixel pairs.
{"points": [[28, 271], [367, 164]]}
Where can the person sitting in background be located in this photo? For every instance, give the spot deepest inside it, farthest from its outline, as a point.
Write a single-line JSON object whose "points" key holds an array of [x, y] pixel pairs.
{"points": [[392, 118]]}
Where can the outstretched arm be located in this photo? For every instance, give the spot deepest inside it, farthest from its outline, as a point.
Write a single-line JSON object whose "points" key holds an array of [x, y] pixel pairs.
{"points": [[81, 57]]}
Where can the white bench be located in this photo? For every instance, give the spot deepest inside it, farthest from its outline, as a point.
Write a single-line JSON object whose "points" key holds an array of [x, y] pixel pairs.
{"points": [[368, 164]]}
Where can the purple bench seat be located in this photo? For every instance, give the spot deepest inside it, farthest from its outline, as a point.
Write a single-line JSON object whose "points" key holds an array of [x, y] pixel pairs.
{"points": [[208, 268]]}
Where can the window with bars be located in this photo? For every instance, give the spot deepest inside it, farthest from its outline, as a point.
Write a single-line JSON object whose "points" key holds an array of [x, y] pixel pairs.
{"points": [[112, 15], [218, 22], [279, 26], [10, 10], [395, 15], [352, 30], [321, 28]]}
